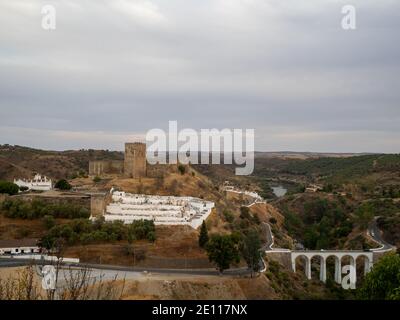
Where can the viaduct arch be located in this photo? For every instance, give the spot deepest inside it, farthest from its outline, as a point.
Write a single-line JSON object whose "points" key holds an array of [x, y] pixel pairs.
{"points": [[307, 256]]}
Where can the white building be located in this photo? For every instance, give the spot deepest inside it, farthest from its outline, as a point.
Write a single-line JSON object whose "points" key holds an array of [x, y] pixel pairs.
{"points": [[38, 183], [250, 194], [16, 247], [163, 210]]}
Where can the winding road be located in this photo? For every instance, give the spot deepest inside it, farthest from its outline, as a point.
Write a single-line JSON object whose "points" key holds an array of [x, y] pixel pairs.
{"points": [[375, 233]]}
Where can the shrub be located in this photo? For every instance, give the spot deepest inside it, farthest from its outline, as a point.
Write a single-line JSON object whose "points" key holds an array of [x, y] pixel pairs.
{"points": [[383, 282], [273, 221], [245, 213], [229, 217], [8, 187], [63, 185], [182, 169], [97, 179]]}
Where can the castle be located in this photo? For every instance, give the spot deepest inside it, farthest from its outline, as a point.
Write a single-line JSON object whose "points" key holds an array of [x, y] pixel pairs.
{"points": [[134, 165]]}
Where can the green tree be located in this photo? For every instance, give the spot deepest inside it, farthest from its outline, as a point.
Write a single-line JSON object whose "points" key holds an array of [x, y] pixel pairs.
{"points": [[203, 237], [223, 251], [63, 185], [250, 248], [9, 188], [383, 282]]}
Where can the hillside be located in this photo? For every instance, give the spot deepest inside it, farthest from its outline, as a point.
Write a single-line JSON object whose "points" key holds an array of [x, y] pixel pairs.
{"points": [[23, 162]]}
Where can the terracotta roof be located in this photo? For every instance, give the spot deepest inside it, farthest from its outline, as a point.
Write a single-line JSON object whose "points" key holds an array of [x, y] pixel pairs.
{"points": [[18, 243]]}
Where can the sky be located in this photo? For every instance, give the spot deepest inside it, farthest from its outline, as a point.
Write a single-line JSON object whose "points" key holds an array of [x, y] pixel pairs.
{"points": [[114, 69]]}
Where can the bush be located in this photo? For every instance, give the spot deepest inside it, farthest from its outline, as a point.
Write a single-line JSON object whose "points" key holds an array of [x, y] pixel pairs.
{"points": [[97, 179], [85, 232], [273, 221], [383, 282], [63, 185], [39, 209], [23, 188], [229, 217], [245, 213], [9, 188], [182, 169]]}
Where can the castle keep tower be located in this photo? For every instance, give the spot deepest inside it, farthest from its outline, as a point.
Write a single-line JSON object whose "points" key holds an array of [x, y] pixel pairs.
{"points": [[135, 160]]}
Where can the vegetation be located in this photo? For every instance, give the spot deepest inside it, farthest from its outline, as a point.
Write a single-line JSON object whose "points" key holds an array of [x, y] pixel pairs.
{"points": [[39, 209], [83, 231], [383, 282], [223, 250], [63, 185], [96, 179], [250, 248], [364, 215], [203, 237], [229, 217], [391, 228], [321, 224], [8, 188], [182, 169], [49, 222]]}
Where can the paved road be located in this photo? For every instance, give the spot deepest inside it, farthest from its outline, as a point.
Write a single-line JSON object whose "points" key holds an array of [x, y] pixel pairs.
{"points": [[376, 235], [268, 247], [9, 262]]}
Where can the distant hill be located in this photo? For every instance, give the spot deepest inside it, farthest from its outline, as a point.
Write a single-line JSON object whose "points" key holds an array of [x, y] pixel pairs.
{"points": [[305, 155], [23, 162]]}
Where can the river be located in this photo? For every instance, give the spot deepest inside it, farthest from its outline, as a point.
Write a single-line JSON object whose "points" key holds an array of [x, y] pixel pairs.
{"points": [[279, 191]]}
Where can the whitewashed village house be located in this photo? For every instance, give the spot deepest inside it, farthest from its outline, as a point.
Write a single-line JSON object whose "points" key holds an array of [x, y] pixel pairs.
{"points": [[38, 183], [17, 247]]}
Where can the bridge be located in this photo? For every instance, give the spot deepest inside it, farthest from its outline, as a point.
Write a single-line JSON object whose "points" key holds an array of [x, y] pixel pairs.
{"points": [[351, 256], [323, 256]]}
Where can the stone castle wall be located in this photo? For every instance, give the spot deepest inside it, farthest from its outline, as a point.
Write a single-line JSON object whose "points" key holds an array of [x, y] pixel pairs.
{"points": [[101, 167], [134, 165]]}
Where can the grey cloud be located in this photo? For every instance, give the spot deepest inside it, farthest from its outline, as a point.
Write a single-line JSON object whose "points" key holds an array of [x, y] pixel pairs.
{"points": [[126, 66]]}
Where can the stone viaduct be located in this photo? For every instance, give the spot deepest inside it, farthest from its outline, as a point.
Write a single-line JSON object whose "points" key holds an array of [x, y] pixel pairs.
{"points": [[338, 256]]}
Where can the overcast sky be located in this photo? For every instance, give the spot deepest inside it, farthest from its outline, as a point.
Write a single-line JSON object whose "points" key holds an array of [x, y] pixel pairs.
{"points": [[114, 69]]}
